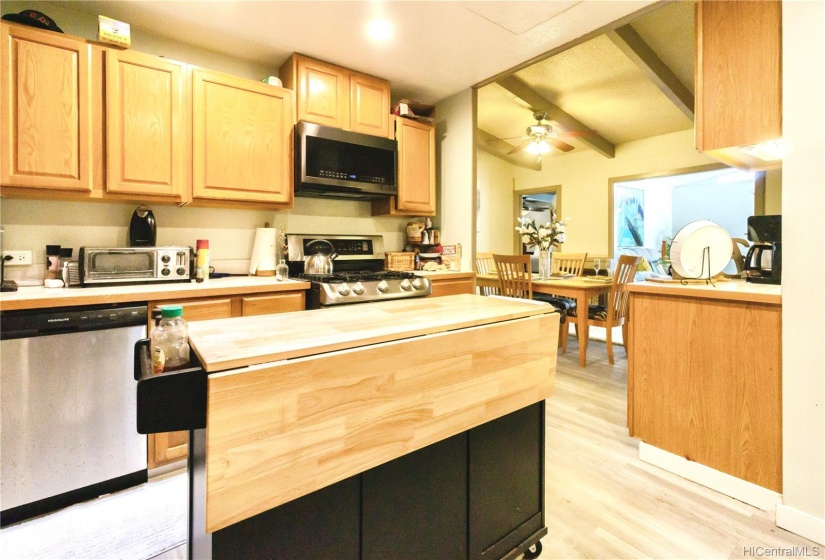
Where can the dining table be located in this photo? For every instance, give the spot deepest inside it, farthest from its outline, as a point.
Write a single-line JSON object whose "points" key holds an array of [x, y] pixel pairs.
{"points": [[579, 288]]}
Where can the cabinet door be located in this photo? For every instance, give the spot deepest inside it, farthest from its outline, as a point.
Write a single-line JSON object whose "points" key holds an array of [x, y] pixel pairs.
{"points": [[46, 110], [277, 303], [147, 141], [242, 133], [506, 483], [738, 73], [323, 93], [369, 100], [416, 166], [452, 287], [415, 507]]}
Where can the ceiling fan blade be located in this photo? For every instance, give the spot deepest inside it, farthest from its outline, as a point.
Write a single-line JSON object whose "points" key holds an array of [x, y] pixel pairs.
{"points": [[520, 146], [561, 146], [576, 133], [510, 138]]}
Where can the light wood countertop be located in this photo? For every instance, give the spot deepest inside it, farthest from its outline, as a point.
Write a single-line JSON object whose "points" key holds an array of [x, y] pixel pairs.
{"points": [[38, 297], [241, 341], [733, 290]]}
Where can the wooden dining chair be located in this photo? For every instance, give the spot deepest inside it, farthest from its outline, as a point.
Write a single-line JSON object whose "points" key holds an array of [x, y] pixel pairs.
{"points": [[564, 263], [615, 313], [514, 275], [737, 256], [486, 265], [568, 263]]}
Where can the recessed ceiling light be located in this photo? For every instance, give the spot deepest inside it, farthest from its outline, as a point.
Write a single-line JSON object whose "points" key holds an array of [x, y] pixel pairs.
{"points": [[380, 30]]}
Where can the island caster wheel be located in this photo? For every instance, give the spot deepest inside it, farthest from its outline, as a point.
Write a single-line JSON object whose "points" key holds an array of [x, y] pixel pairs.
{"points": [[533, 552]]}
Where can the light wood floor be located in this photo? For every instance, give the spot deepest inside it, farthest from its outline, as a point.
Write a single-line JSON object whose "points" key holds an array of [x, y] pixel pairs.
{"points": [[604, 503]]}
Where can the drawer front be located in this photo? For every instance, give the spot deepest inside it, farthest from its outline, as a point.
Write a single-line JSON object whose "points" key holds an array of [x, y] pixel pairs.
{"points": [[280, 303], [452, 287], [201, 310]]}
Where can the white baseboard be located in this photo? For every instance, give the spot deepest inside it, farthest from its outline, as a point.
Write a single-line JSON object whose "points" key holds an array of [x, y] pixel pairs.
{"points": [[729, 485], [801, 523]]}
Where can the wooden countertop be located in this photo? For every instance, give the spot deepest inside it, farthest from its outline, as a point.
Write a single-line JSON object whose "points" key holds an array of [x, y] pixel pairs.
{"points": [[38, 297], [733, 290], [223, 344]]}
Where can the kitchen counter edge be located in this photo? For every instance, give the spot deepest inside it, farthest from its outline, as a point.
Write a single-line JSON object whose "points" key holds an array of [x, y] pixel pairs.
{"points": [[733, 290], [39, 297]]}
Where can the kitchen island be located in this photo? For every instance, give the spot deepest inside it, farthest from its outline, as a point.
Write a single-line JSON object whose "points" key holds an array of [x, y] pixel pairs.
{"points": [[705, 384], [406, 429]]}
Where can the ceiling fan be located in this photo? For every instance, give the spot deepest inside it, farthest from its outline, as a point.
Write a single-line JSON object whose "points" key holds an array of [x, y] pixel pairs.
{"points": [[541, 137]]}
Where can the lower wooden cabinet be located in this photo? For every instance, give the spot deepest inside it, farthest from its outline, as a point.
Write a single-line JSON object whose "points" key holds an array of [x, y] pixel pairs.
{"points": [[170, 447], [452, 286]]}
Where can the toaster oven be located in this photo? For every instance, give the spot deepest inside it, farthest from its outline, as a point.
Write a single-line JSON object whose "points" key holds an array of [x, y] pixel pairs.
{"points": [[132, 265]]}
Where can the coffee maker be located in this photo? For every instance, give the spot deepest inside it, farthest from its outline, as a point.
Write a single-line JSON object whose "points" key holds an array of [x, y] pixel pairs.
{"points": [[763, 263]]}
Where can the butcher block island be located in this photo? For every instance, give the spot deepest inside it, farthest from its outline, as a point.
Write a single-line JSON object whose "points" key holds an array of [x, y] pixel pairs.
{"points": [[400, 429]]}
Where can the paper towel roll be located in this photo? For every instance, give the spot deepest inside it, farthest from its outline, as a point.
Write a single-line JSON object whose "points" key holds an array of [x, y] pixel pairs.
{"points": [[263, 253]]}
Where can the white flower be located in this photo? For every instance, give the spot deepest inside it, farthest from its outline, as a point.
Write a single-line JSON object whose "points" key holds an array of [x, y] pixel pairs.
{"points": [[526, 239], [551, 233]]}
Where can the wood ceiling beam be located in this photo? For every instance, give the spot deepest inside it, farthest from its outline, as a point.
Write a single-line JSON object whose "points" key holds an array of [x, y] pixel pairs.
{"points": [[635, 48], [487, 141], [554, 113]]}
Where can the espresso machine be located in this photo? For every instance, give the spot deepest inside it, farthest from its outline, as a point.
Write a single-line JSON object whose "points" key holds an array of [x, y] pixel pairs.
{"points": [[763, 263]]}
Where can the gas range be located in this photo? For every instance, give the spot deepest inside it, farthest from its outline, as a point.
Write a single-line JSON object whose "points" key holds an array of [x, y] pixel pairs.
{"points": [[358, 272]]}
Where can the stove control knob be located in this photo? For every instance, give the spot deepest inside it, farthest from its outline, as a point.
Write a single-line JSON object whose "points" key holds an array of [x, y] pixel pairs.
{"points": [[405, 284], [343, 289], [383, 286], [417, 284], [358, 289]]}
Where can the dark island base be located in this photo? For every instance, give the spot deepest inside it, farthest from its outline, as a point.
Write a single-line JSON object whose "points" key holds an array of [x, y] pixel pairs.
{"points": [[476, 495]]}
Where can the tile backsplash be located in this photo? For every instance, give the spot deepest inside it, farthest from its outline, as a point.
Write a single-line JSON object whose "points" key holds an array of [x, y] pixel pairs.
{"points": [[33, 224]]}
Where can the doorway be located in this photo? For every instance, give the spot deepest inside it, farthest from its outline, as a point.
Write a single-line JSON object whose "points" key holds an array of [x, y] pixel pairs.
{"points": [[536, 205]]}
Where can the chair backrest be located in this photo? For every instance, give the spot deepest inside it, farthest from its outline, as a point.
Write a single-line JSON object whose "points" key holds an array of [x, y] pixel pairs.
{"points": [[736, 254], [619, 298], [514, 275], [568, 263], [486, 265]]}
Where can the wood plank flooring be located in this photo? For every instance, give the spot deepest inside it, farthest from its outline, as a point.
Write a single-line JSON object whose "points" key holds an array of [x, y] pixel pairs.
{"points": [[603, 502]]}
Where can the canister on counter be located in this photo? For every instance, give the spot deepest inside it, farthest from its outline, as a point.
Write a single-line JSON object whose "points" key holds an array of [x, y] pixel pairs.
{"points": [[52, 261]]}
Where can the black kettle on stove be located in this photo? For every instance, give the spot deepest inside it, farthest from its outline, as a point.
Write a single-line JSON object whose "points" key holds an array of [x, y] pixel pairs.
{"points": [[142, 228]]}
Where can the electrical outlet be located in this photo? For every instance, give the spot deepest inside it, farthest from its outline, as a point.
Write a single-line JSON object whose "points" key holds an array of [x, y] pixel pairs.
{"points": [[18, 257]]}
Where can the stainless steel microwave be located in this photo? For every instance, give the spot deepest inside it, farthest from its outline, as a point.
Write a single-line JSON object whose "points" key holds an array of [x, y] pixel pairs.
{"points": [[132, 265], [335, 163]]}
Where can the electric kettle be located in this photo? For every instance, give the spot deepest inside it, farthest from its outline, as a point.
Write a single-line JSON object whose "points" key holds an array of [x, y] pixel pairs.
{"points": [[142, 229], [321, 254]]}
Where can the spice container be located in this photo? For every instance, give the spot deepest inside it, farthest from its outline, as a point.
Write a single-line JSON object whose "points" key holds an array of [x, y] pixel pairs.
{"points": [[170, 341]]}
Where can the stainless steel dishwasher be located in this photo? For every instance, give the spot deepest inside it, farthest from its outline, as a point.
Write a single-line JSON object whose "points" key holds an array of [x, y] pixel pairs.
{"points": [[68, 407]]}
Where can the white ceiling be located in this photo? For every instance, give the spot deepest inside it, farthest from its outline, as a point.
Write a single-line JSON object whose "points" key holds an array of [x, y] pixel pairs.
{"points": [[439, 48]]}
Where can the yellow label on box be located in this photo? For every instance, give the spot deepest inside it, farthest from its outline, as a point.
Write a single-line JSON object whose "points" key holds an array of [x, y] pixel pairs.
{"points": [[113, 32]]}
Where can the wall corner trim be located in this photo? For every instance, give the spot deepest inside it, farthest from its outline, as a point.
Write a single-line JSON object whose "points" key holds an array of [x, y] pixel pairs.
{"points": [[801, 523]]}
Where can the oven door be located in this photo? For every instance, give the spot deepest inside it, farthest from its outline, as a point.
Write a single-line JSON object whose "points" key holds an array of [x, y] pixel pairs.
{"points": [[118, 266]]}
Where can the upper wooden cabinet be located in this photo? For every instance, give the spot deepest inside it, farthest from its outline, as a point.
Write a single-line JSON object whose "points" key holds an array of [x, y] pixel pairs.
{"points": [[45, 110], [333, 96], [147, 143], [738, 78], [242, 133], [416, 171]]}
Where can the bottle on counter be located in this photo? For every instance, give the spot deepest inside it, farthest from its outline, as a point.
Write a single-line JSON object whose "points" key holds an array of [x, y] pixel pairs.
{"points": [[281, 271], [202, 261], [169, 341]]}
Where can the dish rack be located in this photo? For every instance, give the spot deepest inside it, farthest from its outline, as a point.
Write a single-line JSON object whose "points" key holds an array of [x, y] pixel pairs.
{"points": [[399, 261]]}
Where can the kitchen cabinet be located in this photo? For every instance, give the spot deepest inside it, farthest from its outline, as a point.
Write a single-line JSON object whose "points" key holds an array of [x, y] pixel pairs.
{"points": [[333, 96], [416, 171], [45, 109], [451, 286], [242, 133], [168, 447], [148, 146], [738, 79]]}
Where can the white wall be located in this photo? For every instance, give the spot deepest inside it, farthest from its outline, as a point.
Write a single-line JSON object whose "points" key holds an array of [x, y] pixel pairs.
{"points": [[803, 297], [455, 123], [495, 206], [584, 178]]}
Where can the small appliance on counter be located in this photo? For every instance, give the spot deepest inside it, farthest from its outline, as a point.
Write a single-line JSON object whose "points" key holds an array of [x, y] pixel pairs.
{"points": [[142, 228], [763, 262], [134, 265]]}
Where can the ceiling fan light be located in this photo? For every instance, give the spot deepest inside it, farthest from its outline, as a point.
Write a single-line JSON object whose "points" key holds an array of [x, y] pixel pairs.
{"points": [[538, 147]]}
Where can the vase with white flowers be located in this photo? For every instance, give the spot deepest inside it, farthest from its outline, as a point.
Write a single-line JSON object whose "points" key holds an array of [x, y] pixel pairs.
{"points": [[545, 238]]}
